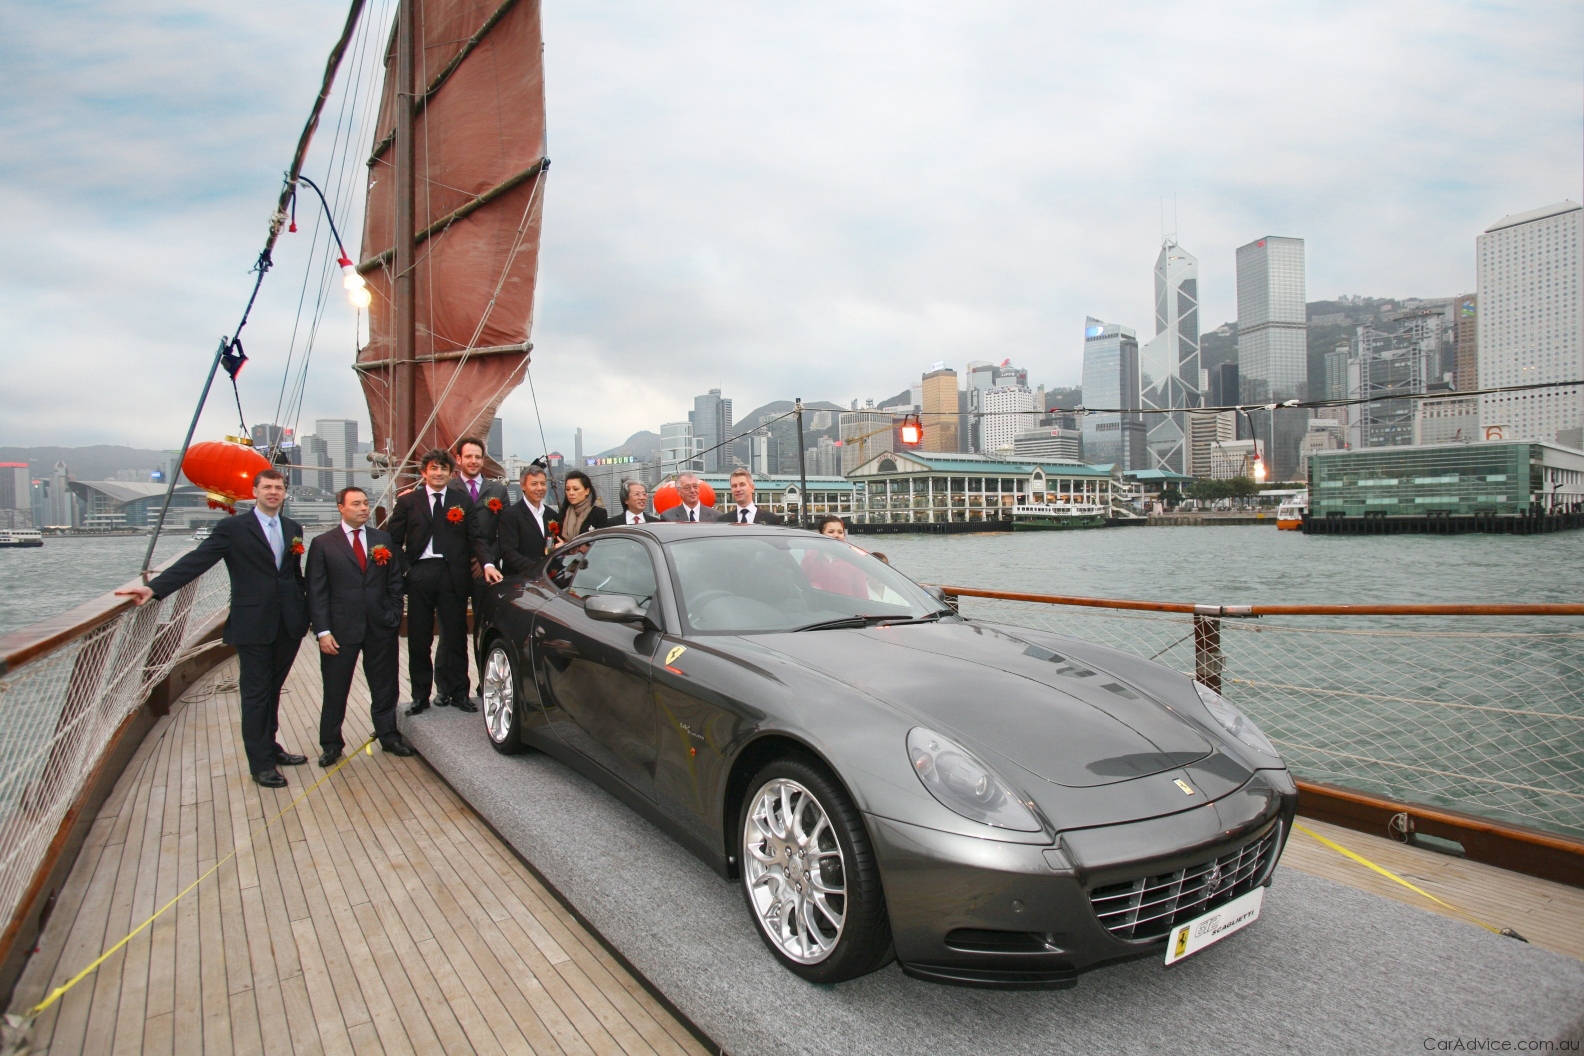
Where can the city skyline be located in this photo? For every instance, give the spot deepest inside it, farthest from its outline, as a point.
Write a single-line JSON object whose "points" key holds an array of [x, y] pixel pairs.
{"points": [[876, 254]]}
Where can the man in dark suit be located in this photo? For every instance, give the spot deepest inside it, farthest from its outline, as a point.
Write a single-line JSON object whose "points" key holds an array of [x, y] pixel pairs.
{"points": [[487, 500], [635, 504], [429, 528], [355, 604], [526, 528], [747, 511], [269, 612], [690, 509]]}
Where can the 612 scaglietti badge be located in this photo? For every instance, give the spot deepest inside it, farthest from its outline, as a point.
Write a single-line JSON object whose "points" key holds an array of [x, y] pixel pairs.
{"points": [[988, 805]]}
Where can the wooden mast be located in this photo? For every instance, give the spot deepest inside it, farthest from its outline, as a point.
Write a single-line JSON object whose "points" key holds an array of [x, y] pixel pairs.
{"points": [[403, 426]]}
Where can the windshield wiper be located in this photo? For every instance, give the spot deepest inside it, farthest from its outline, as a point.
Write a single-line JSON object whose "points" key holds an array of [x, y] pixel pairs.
{"points": [[865, 621]]}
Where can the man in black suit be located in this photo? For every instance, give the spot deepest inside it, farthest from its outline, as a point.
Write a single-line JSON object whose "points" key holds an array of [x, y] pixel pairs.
{"points": [[429, 528], [526, 528], [355, 604], [269, 612], [747, 511], [635, 504], [487, 500], [690, 509]]}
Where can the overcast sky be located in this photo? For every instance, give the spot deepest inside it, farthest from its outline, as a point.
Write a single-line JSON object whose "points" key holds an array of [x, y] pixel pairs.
{"points": [[814, 200]]}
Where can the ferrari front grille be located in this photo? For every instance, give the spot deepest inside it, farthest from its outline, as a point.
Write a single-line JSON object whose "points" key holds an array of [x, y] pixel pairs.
{"points": [[1146, 909]]}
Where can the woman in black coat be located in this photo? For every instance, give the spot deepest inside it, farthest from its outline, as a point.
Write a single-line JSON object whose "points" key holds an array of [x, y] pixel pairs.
{"points": [[579, 513]]}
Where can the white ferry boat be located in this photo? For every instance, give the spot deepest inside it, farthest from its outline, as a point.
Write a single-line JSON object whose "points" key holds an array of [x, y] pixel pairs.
{"points": [[1047, 516], [202, 532], [21, 537], [1290, 514]]}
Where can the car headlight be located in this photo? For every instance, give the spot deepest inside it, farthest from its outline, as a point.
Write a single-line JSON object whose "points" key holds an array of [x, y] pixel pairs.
{"points": [[966, 786], [1236, 723]]}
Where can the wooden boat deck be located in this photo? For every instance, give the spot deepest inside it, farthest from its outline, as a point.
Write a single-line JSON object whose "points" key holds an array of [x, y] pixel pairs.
{"points": [[382, 915], [379, 915]]}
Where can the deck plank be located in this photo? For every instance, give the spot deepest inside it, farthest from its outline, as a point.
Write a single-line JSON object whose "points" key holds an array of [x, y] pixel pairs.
{"points": [[379, 915]]}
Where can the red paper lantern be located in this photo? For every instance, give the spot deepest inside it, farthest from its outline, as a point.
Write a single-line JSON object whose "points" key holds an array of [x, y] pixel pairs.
{"points": [[666, 496], [225, 470]]}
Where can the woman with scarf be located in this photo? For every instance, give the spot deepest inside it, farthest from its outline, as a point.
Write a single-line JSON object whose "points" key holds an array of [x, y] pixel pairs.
{"points": [[578, 513]]}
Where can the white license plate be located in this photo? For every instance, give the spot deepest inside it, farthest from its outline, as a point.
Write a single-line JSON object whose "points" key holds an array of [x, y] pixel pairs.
{"points": [[1188, 939]]}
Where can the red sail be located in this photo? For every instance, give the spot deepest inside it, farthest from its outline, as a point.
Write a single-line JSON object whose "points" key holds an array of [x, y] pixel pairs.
{"points": [[479, 142]]}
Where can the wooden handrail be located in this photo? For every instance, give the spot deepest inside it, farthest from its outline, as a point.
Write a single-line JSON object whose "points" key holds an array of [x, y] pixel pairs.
{"points": [[29, 643], [1272, 610]]}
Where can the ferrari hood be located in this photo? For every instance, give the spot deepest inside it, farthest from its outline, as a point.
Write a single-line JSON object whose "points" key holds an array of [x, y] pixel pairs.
{"points": [[1062, 720]]}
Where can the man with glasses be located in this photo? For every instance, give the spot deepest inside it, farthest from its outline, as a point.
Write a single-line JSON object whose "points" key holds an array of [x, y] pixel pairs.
{"points": [[690, 509]]}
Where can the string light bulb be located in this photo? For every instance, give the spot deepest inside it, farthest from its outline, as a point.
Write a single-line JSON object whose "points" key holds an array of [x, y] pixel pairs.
{"points": [[357, 289]]}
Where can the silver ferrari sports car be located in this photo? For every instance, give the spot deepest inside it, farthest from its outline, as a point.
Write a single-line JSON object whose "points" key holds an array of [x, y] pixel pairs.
{"points": [[987, 805]]}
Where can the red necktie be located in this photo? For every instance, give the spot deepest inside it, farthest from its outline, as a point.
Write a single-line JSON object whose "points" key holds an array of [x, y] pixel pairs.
{"points": [[357, 549]]}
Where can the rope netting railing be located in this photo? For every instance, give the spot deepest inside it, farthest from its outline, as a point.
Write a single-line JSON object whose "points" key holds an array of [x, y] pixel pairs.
{"points": [[60, 709], [1480, 714]]}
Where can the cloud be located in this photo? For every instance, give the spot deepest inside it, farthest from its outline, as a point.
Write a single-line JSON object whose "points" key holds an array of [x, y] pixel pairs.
{"points": [[817, 201]]}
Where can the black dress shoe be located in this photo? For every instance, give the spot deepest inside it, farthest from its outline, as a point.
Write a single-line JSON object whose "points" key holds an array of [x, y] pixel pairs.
{"points": [[329, 759], [269, 779], [397, 746], [442, 702], [418, 707], [464, 704], [289, 759]]}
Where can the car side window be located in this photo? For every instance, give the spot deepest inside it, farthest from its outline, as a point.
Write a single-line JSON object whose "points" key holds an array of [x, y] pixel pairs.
{"points": [[610, 566]]}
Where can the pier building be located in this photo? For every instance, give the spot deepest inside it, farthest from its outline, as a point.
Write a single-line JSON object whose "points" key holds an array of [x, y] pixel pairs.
{"points": [[1500, 486], [938, 488]]}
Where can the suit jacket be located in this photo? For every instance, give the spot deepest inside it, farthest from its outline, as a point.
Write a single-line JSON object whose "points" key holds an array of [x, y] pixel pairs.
{"points": [[597, 518], [761, 516], [522, 544], [412, 523], [262, 596], [706, 514], [483, 523], [350, 602], [620, 518]]}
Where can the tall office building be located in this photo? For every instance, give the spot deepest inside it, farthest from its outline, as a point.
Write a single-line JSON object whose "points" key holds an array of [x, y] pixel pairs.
{"points": [[1111, 381], [1530, 326], [1007, 411], [941, 409], [16, 495], [60, 497], [340, 436], [679, 449], [712, 421], [1466, 369], [1169, 361], [1273, 344], [270, 436], [982, 377]]}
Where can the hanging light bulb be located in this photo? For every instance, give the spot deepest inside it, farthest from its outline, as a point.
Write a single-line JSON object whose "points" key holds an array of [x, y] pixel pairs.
{"points": [[357, 289]]}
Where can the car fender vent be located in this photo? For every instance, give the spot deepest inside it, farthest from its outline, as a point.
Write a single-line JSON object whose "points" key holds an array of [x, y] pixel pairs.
{"points": [[986, 940]]}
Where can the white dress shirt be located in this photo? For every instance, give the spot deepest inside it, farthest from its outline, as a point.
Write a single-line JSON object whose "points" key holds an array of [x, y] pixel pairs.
{"points": [[429, 497], [275, 532], [538, 515], [469, 483], [753, 513], [691, 512], [632, 518]]}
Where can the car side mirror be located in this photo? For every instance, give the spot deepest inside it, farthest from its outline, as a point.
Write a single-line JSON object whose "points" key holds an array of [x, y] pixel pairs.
{"points": [[614, 608]]}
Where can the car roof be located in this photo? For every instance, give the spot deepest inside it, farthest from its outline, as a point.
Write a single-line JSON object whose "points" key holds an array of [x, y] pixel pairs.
{"points": [[669, 531]]}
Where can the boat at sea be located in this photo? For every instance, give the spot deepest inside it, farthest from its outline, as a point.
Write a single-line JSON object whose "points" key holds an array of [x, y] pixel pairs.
{"points": [[1056, 516], [21, 537], [1290, 514], [202, 532]]}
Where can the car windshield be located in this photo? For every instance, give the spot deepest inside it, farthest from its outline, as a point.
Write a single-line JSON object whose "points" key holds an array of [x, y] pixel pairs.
{"points": [[788, 582]]}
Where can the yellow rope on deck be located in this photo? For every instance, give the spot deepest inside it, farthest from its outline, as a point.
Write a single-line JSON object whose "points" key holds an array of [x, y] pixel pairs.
{"points": [[60, 991], [1388, 874]]}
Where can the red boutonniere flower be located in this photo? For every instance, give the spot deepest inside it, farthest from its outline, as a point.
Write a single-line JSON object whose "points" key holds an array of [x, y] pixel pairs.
{"points": [[455, 515], [381, 554], [297, 545], [553, 528], [494, 505]]}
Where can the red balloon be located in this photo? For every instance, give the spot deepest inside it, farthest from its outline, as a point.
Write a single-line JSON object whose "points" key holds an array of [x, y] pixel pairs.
{"points": [[666, 496], [223, 469]]}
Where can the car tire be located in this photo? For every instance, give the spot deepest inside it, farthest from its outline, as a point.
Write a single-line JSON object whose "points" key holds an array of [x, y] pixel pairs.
{"points": [[499, 704], [793, 866]]}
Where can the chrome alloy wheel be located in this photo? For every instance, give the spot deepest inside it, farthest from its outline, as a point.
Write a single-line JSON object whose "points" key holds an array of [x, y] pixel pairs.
{"points": [[500, 695], [794, 871]]}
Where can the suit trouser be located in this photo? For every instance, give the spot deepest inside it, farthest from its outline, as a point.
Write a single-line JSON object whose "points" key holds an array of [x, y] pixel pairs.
{"points": [[264, 671], [430, 593], [381, 663]]}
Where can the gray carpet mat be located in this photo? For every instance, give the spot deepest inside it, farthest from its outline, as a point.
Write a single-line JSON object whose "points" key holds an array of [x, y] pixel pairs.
{"points": [[1327, 969]]}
